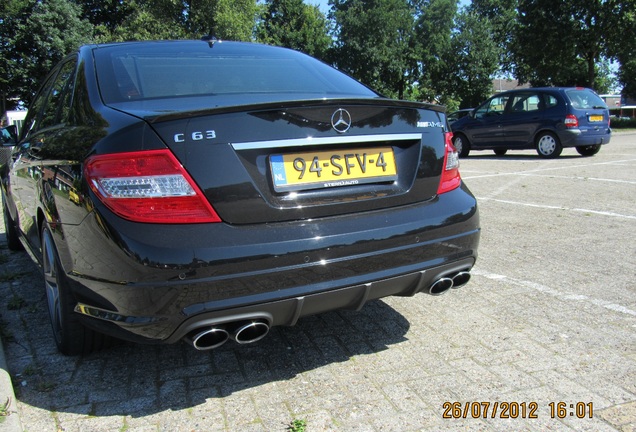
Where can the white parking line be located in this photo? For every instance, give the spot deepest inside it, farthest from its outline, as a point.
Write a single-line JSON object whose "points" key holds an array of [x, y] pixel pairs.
{"points": [[580, 178], [554, 292], [529, 174], [543, 168], [549, 207]]}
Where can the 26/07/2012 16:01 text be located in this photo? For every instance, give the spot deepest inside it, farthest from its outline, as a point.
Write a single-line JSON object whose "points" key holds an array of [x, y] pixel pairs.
{"points": [[506, 410]]}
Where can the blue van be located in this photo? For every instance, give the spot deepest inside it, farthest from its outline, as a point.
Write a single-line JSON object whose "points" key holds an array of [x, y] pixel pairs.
{"points": [[547, 119]]}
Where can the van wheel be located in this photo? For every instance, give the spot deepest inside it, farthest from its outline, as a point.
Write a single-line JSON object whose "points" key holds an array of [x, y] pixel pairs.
{"points": [[461, 145], [548, 145], [70, 336], [589, 150]]}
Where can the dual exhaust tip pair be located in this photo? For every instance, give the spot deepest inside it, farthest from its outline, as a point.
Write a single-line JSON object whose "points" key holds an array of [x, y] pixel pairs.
{"points": [[443, 284], [253, 330], [242, 332]]}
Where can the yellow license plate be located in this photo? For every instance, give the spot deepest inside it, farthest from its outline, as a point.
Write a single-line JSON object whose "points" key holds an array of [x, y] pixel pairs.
{"points": [[310, 170], [596, 118]]}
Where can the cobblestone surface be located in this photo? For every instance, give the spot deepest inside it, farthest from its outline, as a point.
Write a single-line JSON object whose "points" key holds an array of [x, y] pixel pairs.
{"points": [[548, 317]]}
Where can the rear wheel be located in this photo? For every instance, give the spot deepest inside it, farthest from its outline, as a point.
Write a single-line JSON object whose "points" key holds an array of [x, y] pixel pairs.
{"points": [[71, 337], [548, 145], [501, 152], [461, 145], [589, 150]]}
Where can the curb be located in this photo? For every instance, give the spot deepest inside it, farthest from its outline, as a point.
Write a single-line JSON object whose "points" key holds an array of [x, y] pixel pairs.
{"points": [[8, 403], [10, 422]]}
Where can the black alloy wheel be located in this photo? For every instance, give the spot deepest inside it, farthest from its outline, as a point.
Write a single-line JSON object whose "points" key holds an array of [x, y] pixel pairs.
{"points": [[70, 336]]}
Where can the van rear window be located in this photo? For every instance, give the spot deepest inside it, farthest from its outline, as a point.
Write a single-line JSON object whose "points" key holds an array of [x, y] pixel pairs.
{"points": [[585, 99]]}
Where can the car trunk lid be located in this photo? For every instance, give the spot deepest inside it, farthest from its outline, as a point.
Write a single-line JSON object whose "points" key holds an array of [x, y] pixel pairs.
{"points": [[308, 159]]}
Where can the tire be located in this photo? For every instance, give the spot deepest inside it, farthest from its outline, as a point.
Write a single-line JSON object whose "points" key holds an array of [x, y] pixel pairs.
{"points": [[501, 152], [548, 145], [461, 145], [589, 150], [13, 241], [70, 336]]}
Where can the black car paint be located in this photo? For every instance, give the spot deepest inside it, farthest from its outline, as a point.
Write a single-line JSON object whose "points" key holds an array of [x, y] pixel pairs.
{"points": [[241, 178], [334, 247]]}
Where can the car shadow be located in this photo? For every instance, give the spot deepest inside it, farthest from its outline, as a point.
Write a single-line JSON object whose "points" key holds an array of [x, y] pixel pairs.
{"points": [[517, 157], [140, 380]]}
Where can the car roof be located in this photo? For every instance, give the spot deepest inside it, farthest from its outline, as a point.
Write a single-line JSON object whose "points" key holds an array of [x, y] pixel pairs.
{"points": [[235, 45], [546, 89]]}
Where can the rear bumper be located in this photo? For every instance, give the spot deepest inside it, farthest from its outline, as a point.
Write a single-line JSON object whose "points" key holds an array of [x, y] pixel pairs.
{"points": [[284, 312], [157, 284], [582, 137]]}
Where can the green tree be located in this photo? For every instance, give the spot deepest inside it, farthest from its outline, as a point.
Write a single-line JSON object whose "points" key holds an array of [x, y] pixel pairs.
{"points": [[296, 25], [143, 22], [12, 12], [434, 30], [627, 76], [564, 43], [475, 59], [375, 43], [171, 19], [108, 14], [502, 16], [623, 49], [42, 34], [234, 19]]}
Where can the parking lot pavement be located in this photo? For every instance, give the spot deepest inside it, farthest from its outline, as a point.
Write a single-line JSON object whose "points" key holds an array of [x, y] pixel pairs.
{"points": [[542, 338]]}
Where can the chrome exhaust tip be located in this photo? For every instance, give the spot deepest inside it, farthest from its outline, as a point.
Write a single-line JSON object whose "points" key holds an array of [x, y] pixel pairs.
{"points": [[440, 286], [250, 331], [208, 339], [461, 279]]}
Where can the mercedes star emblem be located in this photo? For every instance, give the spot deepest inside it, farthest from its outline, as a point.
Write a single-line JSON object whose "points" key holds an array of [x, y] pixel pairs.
{"points": [[341, 120]]}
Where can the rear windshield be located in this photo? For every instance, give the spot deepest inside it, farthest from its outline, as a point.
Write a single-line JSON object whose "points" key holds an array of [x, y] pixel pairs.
{"points": [[160, 70], [585, 99]]}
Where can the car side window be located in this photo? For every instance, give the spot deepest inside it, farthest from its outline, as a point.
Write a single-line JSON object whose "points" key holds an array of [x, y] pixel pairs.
{"points": [[58, 104], [494, 106], [548, 101], [32, 120], [52, 103], [526, 102]]}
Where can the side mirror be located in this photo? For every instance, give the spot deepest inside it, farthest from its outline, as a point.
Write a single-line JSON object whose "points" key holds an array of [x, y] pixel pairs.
{"points": [[9, 136]]}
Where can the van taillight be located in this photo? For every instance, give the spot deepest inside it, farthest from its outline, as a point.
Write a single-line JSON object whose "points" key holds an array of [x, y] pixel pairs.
{"points": [[571, 121], [148, 186]]}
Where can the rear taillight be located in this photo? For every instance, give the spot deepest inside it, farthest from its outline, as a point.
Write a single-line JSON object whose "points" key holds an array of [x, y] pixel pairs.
{"points": [[450, 175], [571, 121], [148, 186]]}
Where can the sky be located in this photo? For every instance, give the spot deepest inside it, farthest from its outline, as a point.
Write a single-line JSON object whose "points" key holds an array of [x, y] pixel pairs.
{"points": [[323, 4]]}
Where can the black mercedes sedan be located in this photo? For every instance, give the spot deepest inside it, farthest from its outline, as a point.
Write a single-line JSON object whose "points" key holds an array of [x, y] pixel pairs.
{"points": [[208, 190]]}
